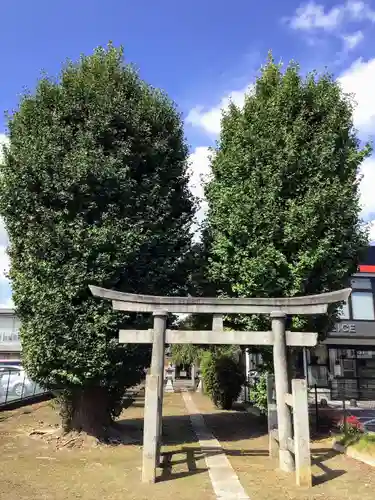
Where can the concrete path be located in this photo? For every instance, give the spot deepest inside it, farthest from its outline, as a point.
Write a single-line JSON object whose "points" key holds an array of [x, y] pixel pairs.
{"points": [[224, 480]]}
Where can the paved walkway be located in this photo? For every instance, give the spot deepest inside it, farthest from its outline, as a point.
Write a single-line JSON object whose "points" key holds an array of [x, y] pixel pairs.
{"points": [[224, 480], [244, 467]]}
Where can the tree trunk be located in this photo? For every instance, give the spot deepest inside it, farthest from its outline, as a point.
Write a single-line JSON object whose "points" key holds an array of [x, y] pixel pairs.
{"points": [[66, 410], [89, 412]]}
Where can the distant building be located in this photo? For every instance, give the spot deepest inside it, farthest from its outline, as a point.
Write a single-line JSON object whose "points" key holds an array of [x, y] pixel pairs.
{"points": [[10, 346], [344, 364]]}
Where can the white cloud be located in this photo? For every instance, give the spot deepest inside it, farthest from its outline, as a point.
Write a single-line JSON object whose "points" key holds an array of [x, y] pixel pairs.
{"points": [[314, 16], [358, 80], [210, 120], [352, 40], [314, 19], [367, 187], [199, 170], [3, 140], [360, 11], [4, 264]]}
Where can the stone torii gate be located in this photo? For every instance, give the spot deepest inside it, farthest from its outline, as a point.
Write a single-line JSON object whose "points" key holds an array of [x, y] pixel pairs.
{"points": [[158, 336]]}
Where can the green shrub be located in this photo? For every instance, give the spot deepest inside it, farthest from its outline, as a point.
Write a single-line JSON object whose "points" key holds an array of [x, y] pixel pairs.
{"points": [[258, 393], [222, 378]]}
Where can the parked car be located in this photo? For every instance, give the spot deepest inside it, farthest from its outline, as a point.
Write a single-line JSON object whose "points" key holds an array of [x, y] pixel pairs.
{"points": [[15, 382]]}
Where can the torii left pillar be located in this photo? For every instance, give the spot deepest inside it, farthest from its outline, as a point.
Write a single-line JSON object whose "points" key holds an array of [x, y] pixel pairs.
{"points": [[153, 414]]}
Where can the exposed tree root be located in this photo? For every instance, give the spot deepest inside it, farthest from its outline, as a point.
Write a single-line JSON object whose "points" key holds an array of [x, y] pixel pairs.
{"points": [[73, 439]]}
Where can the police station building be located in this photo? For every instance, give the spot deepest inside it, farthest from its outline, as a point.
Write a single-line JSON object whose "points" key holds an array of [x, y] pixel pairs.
{"points": [[345, 362]]}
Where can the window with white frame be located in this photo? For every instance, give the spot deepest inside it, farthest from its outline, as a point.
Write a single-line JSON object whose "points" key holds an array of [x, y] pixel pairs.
{"points": [[361, 284], [363, 305]]}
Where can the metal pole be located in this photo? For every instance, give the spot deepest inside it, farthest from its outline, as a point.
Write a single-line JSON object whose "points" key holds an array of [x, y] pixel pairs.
{"points": [[284, 416], [316, 409], [247, 370], [305, 366]]}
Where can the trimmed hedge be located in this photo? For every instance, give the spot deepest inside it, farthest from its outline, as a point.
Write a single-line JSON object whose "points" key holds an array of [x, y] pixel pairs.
{"points": [[222, 378]]}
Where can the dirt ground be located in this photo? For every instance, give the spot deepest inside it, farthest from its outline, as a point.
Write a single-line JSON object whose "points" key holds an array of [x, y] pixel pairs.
{"points": [[34, 469]]}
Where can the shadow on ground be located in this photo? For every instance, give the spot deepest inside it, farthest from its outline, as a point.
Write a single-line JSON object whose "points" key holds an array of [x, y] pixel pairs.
{"points": [[227, 426], [221, 423], [189, 456], [319, 456]]}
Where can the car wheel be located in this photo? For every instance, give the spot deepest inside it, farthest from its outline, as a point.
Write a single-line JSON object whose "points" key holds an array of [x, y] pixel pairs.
{"points": [[18, 389]]}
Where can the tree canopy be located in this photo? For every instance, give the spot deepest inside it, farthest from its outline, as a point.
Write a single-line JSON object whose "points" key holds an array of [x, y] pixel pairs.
{"points": [[93, 190], [283, 198]]}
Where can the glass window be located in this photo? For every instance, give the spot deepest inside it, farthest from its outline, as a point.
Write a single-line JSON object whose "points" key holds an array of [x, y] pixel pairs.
{"points": [[366, 368], [360, 283], [346, 353], [318, 375], [344, 312], [363, 305], [348, 368], [9, 335]]}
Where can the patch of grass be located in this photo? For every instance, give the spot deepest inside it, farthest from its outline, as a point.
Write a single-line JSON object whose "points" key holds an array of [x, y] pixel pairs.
{"points": [[364, 443]]}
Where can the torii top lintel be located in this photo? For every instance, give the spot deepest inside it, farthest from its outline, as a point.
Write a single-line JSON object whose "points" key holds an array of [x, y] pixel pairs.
{"points": [[308, 304]]}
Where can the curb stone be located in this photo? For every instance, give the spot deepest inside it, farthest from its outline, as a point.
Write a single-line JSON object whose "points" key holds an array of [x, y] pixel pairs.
{"points": [[352, 453]]}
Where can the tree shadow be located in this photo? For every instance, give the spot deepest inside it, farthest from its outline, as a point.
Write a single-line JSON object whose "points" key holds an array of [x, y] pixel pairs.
{"points": [[319, 456], [228, 426]]}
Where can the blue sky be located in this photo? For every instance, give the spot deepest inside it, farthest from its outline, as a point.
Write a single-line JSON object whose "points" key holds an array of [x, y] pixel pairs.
{"points": [[201, 53]]}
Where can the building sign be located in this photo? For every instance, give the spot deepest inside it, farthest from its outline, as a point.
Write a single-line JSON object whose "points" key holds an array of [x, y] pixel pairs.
{"points": [[365, 354], [344, 328]]}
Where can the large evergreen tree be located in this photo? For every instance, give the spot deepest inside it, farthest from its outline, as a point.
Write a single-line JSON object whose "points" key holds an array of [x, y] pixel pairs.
{"points": [[283, 197], [94, 190]]}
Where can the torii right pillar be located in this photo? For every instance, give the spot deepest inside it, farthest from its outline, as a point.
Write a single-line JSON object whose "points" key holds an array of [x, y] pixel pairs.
{"points": [[284, 416]]}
